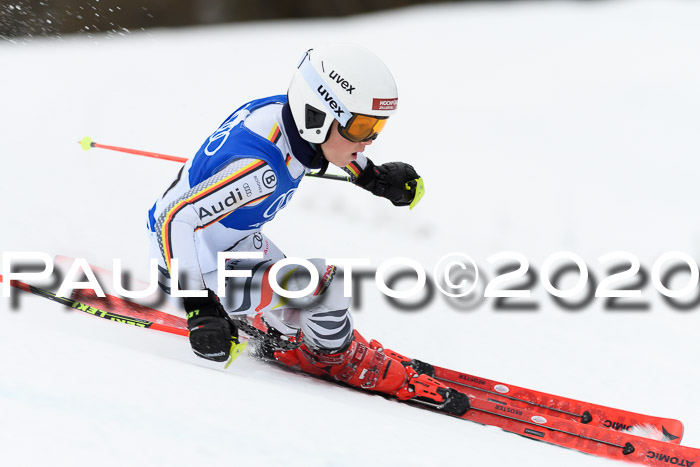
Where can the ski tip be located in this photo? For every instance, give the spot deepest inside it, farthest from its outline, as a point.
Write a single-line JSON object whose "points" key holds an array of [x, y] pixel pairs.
{"points": [[86, 143], [652, 432]]}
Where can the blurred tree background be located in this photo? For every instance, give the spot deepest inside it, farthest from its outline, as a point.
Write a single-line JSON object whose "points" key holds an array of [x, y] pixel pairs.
{"points": [[20, 18]]}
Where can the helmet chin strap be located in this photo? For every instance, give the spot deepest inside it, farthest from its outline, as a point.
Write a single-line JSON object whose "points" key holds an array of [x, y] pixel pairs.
{"points": [[319, 158]]}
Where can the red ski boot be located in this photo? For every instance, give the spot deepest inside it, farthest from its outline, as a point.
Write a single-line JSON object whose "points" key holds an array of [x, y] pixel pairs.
{"points": [[358, 365], [365, 365], [421, 368]]}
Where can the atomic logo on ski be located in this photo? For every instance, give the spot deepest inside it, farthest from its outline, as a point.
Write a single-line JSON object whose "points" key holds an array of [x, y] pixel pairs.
{"points": [[669, 459], [617, 425]]}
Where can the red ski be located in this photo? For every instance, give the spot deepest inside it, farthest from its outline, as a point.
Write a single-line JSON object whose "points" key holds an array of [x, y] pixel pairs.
{"points": [[569, 409], [593, 415], [598, 441], [585, 413]]}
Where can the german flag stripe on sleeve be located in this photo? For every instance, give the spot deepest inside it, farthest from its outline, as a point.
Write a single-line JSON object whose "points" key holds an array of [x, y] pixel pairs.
{"points": [[194, 197], [274, 135], [354, 168]]}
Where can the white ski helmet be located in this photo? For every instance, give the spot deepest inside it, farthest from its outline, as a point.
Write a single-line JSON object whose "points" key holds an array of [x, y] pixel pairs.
{"points": [[344, 82]]}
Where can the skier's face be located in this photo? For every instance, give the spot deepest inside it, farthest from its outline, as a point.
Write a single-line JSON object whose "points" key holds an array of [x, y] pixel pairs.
{"points": [[340, 151]]}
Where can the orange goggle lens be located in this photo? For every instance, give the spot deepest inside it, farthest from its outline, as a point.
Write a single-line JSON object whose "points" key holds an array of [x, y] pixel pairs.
{"points": [[362, 128]]}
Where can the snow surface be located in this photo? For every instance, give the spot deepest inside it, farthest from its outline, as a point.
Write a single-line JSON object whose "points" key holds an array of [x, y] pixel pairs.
{"points": [[538, 127]]}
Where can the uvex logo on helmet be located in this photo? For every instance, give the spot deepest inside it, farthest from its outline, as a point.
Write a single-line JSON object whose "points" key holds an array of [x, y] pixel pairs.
{"points": [[329, 99], [343, 82]]}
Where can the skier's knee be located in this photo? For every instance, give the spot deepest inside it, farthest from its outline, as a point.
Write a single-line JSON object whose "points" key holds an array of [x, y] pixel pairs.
{"points": [[324, 317]]}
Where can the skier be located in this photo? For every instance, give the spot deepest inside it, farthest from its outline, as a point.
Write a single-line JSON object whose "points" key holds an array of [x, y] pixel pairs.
{"points": [[338, 102]]}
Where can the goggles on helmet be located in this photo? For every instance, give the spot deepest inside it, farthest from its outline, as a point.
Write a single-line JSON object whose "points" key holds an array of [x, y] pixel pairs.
{"points": [[361, 128]]}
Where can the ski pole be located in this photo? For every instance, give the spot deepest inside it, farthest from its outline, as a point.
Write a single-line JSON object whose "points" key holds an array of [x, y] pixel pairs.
{"points": [[86, 308], [236, 346], [86, 143]]}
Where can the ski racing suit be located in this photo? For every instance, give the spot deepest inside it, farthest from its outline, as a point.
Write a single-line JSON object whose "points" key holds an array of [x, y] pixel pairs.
{"points": [[243, 174]]}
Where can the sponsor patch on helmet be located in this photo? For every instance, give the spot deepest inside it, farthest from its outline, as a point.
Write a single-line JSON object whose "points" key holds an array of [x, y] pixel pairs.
{"points": [[385, 104]]}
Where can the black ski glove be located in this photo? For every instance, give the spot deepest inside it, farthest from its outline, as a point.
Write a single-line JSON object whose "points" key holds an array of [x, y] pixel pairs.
{"points": [[211, 330], [390, 181]]}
